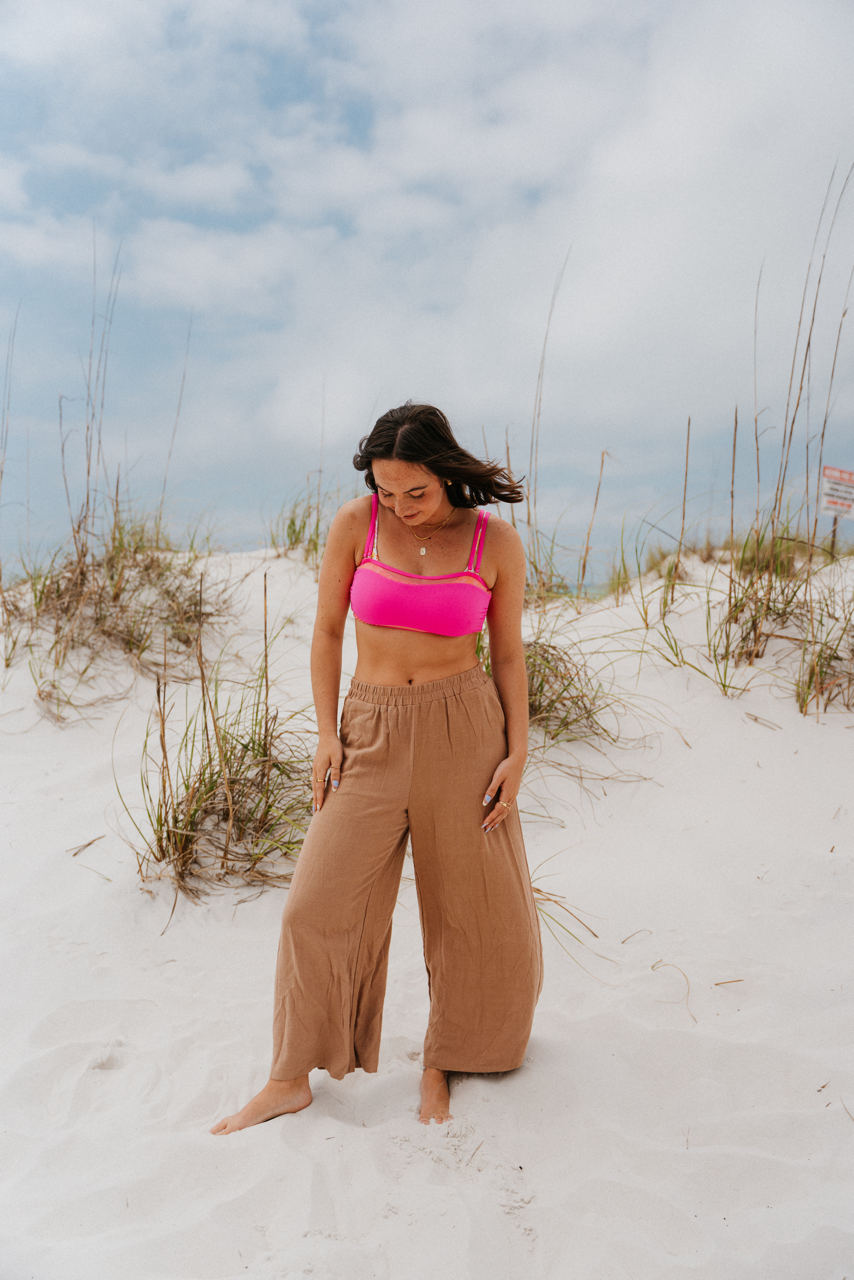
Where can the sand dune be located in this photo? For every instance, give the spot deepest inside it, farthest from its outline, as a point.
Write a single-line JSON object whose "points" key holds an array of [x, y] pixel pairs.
{"points": [[655, 1132]]}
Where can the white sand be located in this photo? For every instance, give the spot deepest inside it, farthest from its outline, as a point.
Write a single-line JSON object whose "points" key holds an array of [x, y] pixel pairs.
{"points": [[635, 1142]]}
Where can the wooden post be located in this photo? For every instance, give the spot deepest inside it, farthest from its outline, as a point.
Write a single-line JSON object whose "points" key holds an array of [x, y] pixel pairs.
{"points": [[833, 538]]}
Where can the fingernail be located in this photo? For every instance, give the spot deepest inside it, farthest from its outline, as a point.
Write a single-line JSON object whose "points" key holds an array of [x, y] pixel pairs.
{"points": [[335, 786], [487, 800]]}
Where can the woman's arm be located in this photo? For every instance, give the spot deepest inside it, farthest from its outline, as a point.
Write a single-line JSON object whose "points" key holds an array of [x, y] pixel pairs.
{"points": [[507, 658], [333, 601]]}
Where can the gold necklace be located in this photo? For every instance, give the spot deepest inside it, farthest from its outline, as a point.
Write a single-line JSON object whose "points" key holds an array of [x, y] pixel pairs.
{"points": [[438, 529]]}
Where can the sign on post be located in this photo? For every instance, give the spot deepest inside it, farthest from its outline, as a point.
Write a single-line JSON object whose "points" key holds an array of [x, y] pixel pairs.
{"points": [[837, 493]]}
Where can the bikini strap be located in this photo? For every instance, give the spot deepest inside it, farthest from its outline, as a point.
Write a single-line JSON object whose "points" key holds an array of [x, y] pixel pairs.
{"points": [[370, 541], [477, 543]]}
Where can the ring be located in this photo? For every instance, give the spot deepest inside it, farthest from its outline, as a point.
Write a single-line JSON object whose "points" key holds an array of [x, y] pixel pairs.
{"points": [[321, 777], [507, 805]]}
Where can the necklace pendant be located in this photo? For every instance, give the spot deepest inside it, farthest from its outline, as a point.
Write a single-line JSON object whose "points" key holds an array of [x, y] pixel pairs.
{"points": [[423, 550]]}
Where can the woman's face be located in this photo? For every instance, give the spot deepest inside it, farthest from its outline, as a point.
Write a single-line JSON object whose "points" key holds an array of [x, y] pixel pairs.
{"points": [[413, 493]]}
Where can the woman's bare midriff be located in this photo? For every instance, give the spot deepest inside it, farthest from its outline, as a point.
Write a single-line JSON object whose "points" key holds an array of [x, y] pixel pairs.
{"points": [[389, 656]]}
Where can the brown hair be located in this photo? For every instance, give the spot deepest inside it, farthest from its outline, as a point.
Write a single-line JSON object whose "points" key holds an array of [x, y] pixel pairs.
{"points": [[422, 434]]}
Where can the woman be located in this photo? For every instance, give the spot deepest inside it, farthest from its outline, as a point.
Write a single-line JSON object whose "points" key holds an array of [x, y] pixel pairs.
{"points": [[430, 749]]}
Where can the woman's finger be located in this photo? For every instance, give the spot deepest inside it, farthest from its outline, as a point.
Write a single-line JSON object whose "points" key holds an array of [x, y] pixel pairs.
{"points": [[492, 789], [318, 785], [498, 815], [326, 768]]}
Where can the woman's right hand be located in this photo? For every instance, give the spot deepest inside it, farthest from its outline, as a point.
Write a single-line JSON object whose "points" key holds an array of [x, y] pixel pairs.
{"points": [[327, 761]]}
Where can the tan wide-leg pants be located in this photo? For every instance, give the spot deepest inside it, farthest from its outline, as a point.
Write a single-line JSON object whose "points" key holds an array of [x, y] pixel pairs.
{"points": [[417, 761]]}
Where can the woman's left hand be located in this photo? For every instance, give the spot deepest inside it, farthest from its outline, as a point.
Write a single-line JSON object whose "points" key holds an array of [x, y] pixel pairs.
{"points": [[502, 790]]}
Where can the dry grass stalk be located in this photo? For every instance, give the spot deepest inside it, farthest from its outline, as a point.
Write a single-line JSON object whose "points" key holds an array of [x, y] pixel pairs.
{"points": [[677, 564], [826, 648], [547, 905], [119, 588], [565, 702], [301, 525], [232, 800], [9, 631], [545, 581], [778, 586], [764, 605], [535, 556], [583, 570]]}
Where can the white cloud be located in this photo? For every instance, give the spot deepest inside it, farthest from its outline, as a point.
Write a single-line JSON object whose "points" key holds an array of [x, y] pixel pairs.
{"points": [[13, 198], [377, 198]]}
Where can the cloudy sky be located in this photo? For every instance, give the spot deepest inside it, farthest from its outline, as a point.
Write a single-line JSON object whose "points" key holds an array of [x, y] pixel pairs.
{"points": [[362, 203]]}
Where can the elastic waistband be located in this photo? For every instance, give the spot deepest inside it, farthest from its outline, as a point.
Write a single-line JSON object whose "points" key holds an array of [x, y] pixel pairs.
{"points": [[412, 695]]}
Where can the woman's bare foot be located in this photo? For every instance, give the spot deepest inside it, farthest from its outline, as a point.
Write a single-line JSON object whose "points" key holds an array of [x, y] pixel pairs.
{"points": [[435, 1096], [277, 1098]]}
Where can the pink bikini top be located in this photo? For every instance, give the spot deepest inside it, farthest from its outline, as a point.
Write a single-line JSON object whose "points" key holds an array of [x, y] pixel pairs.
{"points": [[453, 604]]}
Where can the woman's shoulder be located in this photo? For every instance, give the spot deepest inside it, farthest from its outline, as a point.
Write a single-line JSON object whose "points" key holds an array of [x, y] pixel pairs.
{"points": [[351, 523], [355, 511], [503, 552], [501, 533]]}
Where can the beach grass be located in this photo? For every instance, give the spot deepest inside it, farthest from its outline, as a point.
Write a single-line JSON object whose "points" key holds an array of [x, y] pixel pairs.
{"points": [[230, 800], [302, 524], [118, 587]]}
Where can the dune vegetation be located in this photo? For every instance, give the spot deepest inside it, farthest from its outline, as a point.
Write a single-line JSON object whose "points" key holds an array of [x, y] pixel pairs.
{"points": [[224, 777]]}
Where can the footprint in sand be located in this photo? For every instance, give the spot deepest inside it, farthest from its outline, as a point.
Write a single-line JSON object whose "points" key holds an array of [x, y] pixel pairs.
{"points": [[74, 1081], [461, 1159]]}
